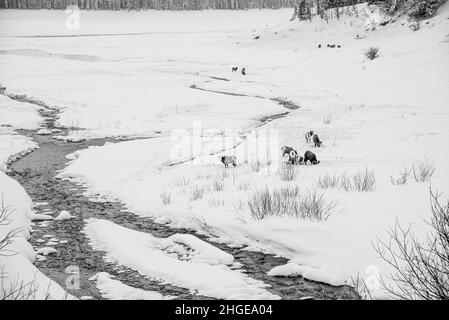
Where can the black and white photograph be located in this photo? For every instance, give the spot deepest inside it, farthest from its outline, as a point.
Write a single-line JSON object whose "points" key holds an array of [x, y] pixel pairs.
{"points": [[201, 150]]}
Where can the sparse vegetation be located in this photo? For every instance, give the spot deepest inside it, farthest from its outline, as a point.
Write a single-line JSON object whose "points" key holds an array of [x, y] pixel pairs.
{"points": [[327, 181], [423, 170], [255, 166], [165, 197], [182, 181], [372, 53], [6, 240], [327, 119], [196, 193], [287, 172], [244, 186], [218, 185], [403, 177], [362, 181], [215, 202], [421, 266], [288, 201], [17, 289]]}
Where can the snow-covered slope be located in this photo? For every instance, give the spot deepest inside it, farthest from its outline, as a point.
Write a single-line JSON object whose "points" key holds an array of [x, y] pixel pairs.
{"points": [[380, 114]]}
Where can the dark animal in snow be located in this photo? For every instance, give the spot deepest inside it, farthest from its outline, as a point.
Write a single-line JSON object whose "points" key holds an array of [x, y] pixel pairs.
{"points": [[292, 157], [319, 46], [339, 46], [234, 69], [309, 135], [316, 140], [310, 157], [244, 71], [228, 160]]}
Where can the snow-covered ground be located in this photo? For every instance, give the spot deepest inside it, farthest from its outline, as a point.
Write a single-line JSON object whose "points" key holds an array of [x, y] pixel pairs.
{"points": [[382, 115]]}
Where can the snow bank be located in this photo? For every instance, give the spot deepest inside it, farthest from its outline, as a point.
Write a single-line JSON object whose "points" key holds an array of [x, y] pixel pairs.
{"points": [[115, 290], [155, 258], [18, 269], [16, 261], [292, 270]]}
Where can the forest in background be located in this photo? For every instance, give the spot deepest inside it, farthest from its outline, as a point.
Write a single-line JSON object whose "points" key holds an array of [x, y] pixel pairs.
{"points": [[166, 4]]}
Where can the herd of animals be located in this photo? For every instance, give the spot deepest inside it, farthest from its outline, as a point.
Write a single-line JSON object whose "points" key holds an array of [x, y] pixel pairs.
{"points": [[309, 157], [330, 45], [235, 69], [293, 156]]}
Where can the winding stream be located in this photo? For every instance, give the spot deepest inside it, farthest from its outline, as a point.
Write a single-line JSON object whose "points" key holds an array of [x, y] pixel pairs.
{"points": [[37, 172]]}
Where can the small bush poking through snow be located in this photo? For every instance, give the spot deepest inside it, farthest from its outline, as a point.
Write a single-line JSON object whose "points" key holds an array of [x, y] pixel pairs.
{"points": [[313, 206], [328, 181], [182, 181], [215, 202], [196, 193], [287, 172], [218, 185], [372, 53], [403, 177], [361, 181], [255, 166], [327, 119], [244, 186], [423, 170], [166, 197], [364, 181], [288, 201]]}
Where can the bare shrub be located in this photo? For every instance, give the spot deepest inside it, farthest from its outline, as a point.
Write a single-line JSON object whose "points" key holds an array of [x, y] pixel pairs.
{"points": [[361, 289], [423, 170], [314, 207], [18, 289], [287, 172], [372, 53], [421, 268], [346, 183], [218, 185], [244, 186], [182, 181], [239, 205], [255, 166], [327, 181], [6, 240], [165, 197], [288, 201], [364, 181], [403, 177], [327, 119], [196, 193], [361, 181], [215, 202]]}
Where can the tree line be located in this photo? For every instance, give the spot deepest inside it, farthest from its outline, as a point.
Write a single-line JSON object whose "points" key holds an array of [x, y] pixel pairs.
{"points": [[148, 4]]}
